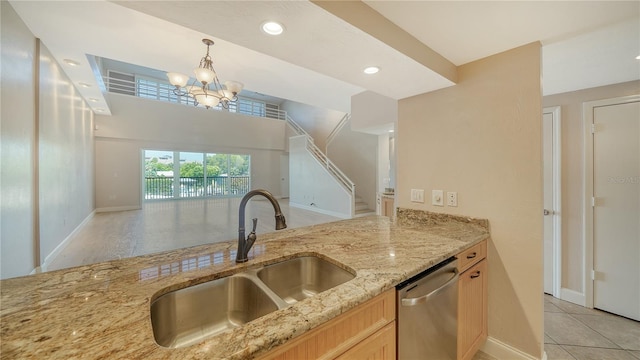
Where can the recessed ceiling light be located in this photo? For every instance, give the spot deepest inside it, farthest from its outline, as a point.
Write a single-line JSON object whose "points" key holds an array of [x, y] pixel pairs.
{"points": [[93, 100], [371, 70], [84, 85], [272, 28], [71, 62], [391, 130], [638, 57]]}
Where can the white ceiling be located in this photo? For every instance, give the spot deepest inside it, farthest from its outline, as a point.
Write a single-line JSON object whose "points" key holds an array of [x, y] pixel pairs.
{"points": [[320, 57]]}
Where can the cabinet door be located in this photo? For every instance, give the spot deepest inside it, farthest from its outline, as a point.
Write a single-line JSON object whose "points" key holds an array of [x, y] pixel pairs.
{"points": [[340, 334], [387, 206], [379, 346], [472, 310]]}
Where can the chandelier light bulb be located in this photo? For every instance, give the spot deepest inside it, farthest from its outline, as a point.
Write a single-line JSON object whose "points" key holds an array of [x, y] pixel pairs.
{"points": [[234, 86], [177, 79], [205, 76]]}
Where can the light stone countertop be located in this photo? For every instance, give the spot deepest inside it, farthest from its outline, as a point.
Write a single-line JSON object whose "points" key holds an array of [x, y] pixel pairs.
{"points": [[101, 311]]}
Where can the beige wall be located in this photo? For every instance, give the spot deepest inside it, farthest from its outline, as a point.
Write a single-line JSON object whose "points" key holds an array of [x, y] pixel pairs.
{"points": [[47, 179], [371, 111], [573, 174], [138, 124], [482, 138]]}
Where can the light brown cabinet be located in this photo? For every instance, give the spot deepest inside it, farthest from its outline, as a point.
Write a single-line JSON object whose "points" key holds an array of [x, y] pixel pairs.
{"points": [[379, 346], [369, 331], [472, 300], [387, 206], [365, 332]]}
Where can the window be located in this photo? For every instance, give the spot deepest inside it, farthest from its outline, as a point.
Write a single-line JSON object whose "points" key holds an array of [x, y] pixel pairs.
{"points": [[150, 88], [195, 175]]}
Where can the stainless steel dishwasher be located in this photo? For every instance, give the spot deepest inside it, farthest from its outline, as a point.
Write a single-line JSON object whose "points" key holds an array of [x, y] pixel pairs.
{"points": [[427, 314]]}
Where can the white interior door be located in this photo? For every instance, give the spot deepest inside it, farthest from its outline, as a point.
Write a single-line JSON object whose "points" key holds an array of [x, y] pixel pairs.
{"points": [[616, 211], [551, 182]]}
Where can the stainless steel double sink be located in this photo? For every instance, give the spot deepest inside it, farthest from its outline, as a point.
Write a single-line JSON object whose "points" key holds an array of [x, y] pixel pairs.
{"points": [[186, 316]]}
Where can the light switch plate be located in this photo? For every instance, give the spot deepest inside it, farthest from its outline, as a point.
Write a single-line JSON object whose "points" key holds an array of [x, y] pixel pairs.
{"points": [[437, 197], [417, 195], [452, 198]]}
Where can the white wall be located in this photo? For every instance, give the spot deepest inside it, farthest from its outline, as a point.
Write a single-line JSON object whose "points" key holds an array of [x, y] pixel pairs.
{"points": [[65, 158], [138, 124], [47, 179], [356, 154], [483, 139], [314, 188], [18, 243], [317, 122], [573, 174], [384, 163]]}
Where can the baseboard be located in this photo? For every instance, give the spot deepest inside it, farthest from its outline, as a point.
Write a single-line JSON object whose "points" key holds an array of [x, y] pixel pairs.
{"points": [[500, 350], [573, 296], [318, 210], [62, 245], [117, 208]]}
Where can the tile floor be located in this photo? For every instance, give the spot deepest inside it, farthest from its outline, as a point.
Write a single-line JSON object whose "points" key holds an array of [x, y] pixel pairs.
{"points": [[573, 332], [169, 225]]}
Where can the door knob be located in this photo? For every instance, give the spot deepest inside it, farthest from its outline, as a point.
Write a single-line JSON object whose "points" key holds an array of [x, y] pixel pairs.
{"points": [[546, 212]]}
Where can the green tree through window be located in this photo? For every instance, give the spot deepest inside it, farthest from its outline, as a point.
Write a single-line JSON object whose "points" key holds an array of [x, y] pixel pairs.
{"points": [[226, 174]]}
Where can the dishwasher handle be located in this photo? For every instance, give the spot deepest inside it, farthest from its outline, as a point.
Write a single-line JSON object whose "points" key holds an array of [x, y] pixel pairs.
{"points": [[425, 298]]}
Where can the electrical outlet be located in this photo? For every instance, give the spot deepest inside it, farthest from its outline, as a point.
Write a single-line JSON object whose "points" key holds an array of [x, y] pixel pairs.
{"points": [[417, 195], [437, 198], [452, 198]]}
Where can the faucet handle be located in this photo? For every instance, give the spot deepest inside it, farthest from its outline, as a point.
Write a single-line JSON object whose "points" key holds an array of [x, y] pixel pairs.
{"points": [[255, 224]]}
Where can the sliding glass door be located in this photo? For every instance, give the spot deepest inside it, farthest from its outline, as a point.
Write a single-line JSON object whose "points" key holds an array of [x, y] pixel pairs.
{"points": [[175, 174]]}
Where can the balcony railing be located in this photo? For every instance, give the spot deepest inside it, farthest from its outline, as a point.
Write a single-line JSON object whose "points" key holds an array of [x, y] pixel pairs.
{"points": [[148, 88], [160, 187]]}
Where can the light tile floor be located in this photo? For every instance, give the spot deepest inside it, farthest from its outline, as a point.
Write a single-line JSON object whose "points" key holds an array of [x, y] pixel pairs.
{"points": [[573, 332], [172, 224]]}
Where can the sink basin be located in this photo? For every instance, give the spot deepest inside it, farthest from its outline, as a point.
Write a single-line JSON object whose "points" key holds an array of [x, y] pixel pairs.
{"points": [[184, 317], [299, 278]]}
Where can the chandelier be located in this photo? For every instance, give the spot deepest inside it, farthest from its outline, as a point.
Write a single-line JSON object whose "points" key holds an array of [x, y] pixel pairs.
{"points": [[206, 89]]}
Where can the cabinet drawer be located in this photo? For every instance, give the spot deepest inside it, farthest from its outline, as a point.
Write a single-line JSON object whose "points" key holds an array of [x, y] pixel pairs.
{"points": [[472, 255]]}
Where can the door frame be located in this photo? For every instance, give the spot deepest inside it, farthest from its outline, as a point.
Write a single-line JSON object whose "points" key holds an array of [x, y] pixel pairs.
{"points": [[556, 198], [588, 118]]}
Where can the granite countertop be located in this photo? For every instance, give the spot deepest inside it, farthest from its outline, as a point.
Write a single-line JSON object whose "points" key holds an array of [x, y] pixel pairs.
{"points": [[102, 310]]}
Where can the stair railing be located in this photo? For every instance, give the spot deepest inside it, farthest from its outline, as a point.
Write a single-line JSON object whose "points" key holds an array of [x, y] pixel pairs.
{"points": [[345, 119], [342, 178]]}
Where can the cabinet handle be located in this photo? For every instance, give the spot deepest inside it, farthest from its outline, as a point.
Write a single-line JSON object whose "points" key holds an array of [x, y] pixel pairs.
{"points": [[472, 255], [475, 274]]}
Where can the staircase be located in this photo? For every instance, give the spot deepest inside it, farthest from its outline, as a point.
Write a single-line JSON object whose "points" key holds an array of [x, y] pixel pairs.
{"points": [[347, 186], [362, 209]]}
